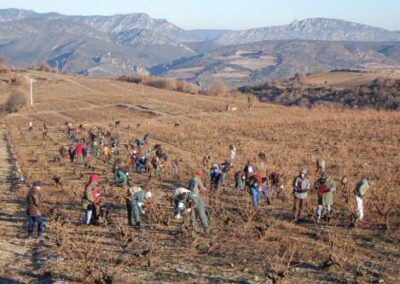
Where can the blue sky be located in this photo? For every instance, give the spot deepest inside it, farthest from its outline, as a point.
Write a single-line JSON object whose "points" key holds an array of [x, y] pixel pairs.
{"points": [[228, 14]]}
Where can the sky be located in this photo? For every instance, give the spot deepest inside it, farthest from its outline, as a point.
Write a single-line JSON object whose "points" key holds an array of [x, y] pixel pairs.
{"points": [[227, 14]]}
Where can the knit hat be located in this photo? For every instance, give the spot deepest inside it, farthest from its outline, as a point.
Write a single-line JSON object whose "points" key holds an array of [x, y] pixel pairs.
{"points": [[94, 178], [198, 173]]}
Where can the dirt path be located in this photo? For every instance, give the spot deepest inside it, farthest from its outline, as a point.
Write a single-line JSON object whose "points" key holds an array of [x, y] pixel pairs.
{"points": [[16, 260]]}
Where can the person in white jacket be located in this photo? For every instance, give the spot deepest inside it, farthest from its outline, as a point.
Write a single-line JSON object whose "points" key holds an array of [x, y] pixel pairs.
{"points": [[359, 192]]}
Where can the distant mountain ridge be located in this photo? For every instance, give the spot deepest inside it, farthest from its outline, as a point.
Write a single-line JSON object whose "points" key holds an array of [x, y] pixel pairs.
{"points": [[123, 44], [311, 29]]}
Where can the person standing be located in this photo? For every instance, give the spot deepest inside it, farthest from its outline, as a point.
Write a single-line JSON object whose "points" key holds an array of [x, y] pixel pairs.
{"points": [[71, 152], [198, 210], [137, 201], [359, 191], [195, 184], [233, 153], [254, 188], [33, 210], [326, 186], [30, 129], [301, 186], [88, 199], [240, 180]]}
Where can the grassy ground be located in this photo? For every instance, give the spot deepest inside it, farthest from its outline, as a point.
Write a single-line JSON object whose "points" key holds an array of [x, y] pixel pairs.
{"points": [[244, 244]]}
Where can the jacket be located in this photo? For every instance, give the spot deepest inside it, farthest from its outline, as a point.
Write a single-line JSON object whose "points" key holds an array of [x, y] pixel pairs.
{"points": [[33, 202], [87, 198], [300, 187], [361, 187], [326, 197], [195, 185]]}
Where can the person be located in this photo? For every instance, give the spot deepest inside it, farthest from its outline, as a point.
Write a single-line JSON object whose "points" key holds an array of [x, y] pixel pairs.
{"points": [[265, 190], [63, 152], [180, 196], [248, 170], [198, 210], [276, 185], [254, 189], [263, 156], [96, 205], [120, 177], [250, 101], [71, 152], [79, 153], [239, 181], [320, 166], [325, 186], [30, 129], [137, 201], [114, 149], [45, 130], [106, 155], [206, 161], [175, 168], [195, 184], [156, 167], [226, 167], [233, 153], [301, 186], [215, 176], [344, 190], [141, 163], [33, 210], [359, 192], [88, 201]]}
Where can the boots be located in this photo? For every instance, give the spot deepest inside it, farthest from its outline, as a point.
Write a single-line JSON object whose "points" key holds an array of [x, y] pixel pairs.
{"points": [[137, 226]]}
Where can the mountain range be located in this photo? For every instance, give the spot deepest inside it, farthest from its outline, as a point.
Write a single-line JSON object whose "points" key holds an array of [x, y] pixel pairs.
{"points": [[123, 44]]}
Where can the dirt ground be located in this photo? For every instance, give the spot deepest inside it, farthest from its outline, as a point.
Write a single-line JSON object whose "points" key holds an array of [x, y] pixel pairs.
{"points": [[244, 245]]}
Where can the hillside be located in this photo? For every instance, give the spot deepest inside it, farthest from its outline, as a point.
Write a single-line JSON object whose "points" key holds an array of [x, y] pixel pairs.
{"points": [[257, 62], [244, 245], [379, 93], [100, 46]]}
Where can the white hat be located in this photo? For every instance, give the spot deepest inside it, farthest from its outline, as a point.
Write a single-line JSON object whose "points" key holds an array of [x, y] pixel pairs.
{"points": [[148, 195]]}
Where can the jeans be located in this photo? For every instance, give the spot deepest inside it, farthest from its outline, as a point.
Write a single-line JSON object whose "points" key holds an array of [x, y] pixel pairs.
{"points": [[255, 196], [129, 210], [88, 215], [239, 184], [320, 208], [360, 207], [31, 225], [298, 207]]}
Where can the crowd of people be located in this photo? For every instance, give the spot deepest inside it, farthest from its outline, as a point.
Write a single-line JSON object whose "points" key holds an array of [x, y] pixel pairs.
{"points": [[88, 145]]}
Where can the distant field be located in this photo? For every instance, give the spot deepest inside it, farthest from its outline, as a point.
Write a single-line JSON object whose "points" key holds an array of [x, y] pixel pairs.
{"points": [[344, 79]]}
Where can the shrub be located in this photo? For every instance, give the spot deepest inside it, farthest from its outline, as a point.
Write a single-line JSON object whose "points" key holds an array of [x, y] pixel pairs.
{"points": [[161, 83], [185, 87], [130, 79], [44, 66], [218, 89], [166, 84], [16, 81], [16, 101]]}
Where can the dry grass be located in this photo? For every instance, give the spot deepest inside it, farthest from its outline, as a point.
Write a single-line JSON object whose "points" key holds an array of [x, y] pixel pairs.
{"points": [[244, 244]]}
